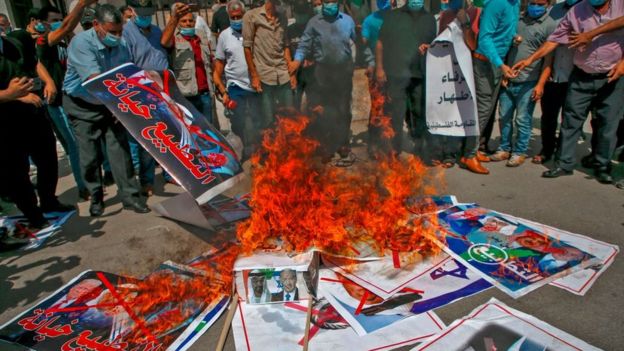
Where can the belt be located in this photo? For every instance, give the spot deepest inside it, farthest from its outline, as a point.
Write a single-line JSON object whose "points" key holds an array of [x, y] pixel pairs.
{"points": [[480, 57], [591, 75]]}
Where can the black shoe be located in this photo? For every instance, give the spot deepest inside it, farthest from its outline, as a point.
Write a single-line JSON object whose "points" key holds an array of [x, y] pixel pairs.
{"points": [[604, 177], [57, 207], [556, 173], [108, 179], [96, 209], [588, 161], [136, 206]]}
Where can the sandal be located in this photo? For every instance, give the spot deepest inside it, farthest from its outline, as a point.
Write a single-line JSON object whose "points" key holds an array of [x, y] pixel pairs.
{"points": [[540, 159], [448, 163]]}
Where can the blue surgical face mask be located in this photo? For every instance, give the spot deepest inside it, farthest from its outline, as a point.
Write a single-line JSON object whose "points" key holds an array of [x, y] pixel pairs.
{"points": [[318, 9], [330, 9], [40, 27], [455, 5], [111, 40], [571, 2], [143, 21], [236, 25], [536, 11], [415, 5], [55, 25], [444, 6], [384, 5], [597, 3], [187, 32]]}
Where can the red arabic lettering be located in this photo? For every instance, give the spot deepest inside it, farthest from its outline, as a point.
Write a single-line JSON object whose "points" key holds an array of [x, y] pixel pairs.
{"points": [[113, 85], [83, 342], [44, 327], [156, 134], [134, 106]]}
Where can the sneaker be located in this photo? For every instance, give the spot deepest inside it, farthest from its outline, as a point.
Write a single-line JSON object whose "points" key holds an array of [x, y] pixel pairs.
{"points": [[500, 156], [346, 161], [515, 160]]}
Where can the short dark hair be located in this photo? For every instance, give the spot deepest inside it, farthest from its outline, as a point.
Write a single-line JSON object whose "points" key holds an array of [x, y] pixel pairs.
{"points": [[32, 13], [107, 13], [45, 11], [124, 8]]}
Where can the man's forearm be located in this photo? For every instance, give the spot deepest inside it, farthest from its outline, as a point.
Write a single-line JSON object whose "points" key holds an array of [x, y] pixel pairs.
{"points": [[546, 70], [379, 54], [5, 96], [251, 67], [544, 50], [607, 27], [43, 73], [166, 40], [69, 24], [217, 76]]}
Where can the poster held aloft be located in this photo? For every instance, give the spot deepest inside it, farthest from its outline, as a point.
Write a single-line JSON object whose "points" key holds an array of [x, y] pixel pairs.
{"points": [[151, 107], [451, 108]]}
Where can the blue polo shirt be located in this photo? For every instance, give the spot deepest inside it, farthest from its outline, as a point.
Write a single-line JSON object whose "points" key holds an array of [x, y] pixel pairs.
{"points": [[497, 27], [86, 56], [145, 50], [328, 40]]}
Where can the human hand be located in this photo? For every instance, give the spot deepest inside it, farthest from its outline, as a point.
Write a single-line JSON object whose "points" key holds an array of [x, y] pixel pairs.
{"points": [[522, 64], [538, 92], [19, 87], [225, 99], [380, 75], [180, 10], [423, 48], [32, 99], [616, 72], [49, 92], [256, 84], [508, 72], [293, 66], [579, 40], [504, 82], [293, 82]]}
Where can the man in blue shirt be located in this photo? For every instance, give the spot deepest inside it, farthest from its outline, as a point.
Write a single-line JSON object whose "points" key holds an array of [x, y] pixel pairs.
{"points": [[327, 39], [143, 40], [91, 53], [497, 28]]}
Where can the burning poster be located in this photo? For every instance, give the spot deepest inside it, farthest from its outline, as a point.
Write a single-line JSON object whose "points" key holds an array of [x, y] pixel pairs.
{"points": [[579, 282], [102, 311], [496, 326], [18, 226], [430, 204], [282, 326], [451, 108], [514, 257], [154, 111]]}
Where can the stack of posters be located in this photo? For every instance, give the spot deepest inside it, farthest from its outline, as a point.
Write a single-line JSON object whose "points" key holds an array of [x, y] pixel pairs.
{"points": [[18, 226], [513, 255], [496, 326]]}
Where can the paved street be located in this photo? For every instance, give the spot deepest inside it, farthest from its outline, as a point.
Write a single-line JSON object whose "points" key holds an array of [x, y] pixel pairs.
{"points": [[127, 243]]}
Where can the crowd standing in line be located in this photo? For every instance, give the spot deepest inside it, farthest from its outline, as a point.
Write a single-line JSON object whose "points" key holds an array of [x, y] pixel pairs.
{"points": [[266, 57]]}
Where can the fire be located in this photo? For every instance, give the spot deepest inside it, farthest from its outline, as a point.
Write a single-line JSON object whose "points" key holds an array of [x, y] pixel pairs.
{"points": [[298, 203], [378, 117]]}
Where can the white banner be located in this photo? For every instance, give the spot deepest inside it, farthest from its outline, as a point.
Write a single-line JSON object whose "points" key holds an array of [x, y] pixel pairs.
{"points": [[451, 107]]}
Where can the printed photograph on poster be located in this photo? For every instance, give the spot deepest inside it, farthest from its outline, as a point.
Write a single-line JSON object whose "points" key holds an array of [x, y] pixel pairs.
{"points": [[151, 107], [512, 256], [496, 326], [274, 285], [18, 226], [579, 282]]}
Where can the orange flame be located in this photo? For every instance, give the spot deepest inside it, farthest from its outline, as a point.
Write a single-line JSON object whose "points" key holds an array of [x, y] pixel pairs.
{"points": [[300, 204]]}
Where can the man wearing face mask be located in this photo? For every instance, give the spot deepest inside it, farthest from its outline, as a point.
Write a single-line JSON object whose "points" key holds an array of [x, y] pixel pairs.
{"points": [[52, 53], [327, 39], [555, 89], [589, 85], [401, 68], [143, 40], [239, 98], [520, 93], [91, 53], [268, 54]]}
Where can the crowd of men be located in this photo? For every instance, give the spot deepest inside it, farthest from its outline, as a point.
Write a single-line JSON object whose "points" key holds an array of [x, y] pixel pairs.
{"points": [[270, 57]]}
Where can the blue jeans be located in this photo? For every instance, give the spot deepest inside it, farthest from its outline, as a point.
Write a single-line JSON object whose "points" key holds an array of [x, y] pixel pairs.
{"points": [[244, 118], [203, 103], [516, 98], [65, 134], [142, 161]]}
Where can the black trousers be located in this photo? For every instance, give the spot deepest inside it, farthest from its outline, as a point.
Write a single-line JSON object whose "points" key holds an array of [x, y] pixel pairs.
{"points": [[331, 89], [26, 134], [406, 93], [551, 103], [98, 131], [587, 91]]}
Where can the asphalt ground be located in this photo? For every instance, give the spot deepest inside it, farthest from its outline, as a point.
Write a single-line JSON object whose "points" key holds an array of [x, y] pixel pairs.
{"points": [[123, 242]]}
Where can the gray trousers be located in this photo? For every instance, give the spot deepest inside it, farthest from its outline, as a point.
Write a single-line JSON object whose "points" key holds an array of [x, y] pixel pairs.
{"points": [[585, 92], [487, 84], [97, 130]]}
